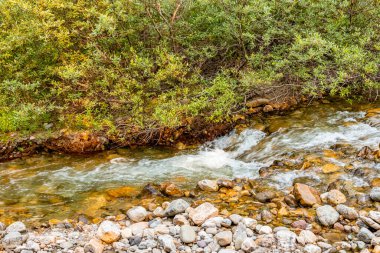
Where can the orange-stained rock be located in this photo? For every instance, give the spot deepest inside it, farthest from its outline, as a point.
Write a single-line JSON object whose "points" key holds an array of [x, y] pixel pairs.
{"points": [[125, 191], [375, 182], [306, 195], [171, 189]]}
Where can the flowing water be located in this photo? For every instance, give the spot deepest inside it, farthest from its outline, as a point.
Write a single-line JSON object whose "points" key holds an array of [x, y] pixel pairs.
{"points": [[58, 186]]}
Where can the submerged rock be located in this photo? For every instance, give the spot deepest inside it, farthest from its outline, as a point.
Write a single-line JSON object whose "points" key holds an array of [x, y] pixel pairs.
{"points": [[306, 195]]}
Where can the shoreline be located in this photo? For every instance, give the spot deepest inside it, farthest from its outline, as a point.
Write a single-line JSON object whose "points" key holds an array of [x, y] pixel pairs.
{"points": [[180, 226]]}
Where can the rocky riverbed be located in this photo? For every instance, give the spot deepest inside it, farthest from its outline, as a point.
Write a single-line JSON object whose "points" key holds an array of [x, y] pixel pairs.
{"points": [[325, 223]]}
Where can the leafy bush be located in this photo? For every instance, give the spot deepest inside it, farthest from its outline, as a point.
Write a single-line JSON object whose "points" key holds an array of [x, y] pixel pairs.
{"points": [[153, 63]]}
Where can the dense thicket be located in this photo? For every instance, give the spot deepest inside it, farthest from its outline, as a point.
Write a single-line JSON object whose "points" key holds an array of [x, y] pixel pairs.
{"points": [[149, 63]]}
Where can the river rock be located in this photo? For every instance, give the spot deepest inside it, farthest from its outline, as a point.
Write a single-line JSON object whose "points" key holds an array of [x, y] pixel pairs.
{"points": [[375, 194], [300, 224], [167, 243], [176, 207], [240, 235], [171, 189], [17, 226], [370, 222], [265, 196], [248, 245], [108, 232], [187, 234], [306, 237], [311, 248], [208, 185], [335, 197], [137, 213], [306, 195], [327, 215], [224, 238], [180, 219], [374, 215], [203, 212], [286, 240], [94, 246], [347, 212], [235, 218], [13, 238], [365, 235]]}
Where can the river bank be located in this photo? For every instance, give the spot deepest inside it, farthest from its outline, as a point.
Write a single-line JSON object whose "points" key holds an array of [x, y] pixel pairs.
{"points": [[195, 131]]}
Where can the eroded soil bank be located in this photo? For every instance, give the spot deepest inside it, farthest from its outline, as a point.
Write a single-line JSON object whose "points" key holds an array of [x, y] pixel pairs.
{"points": [[195, 131]]}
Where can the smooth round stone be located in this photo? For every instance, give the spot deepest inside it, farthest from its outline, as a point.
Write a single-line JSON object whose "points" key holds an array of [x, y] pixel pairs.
{"points": [[375, 194], [224, 238], [137, 214], [108, 232], [187, 234]]}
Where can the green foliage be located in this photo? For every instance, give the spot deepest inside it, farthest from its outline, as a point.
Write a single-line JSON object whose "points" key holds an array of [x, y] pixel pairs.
{"points": [[152, 63]]}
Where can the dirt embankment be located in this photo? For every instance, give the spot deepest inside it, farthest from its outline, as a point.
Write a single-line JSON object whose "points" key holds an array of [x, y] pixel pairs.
{"points": [[197, 131]]}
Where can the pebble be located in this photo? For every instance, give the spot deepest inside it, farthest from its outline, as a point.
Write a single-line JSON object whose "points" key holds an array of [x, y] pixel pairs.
{"points": [[167, 243], [224, 238]]}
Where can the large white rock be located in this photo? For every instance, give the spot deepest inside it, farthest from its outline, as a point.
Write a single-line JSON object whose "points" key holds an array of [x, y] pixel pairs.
{"points": [[202, 213], [17, 226], [108, 232]]}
